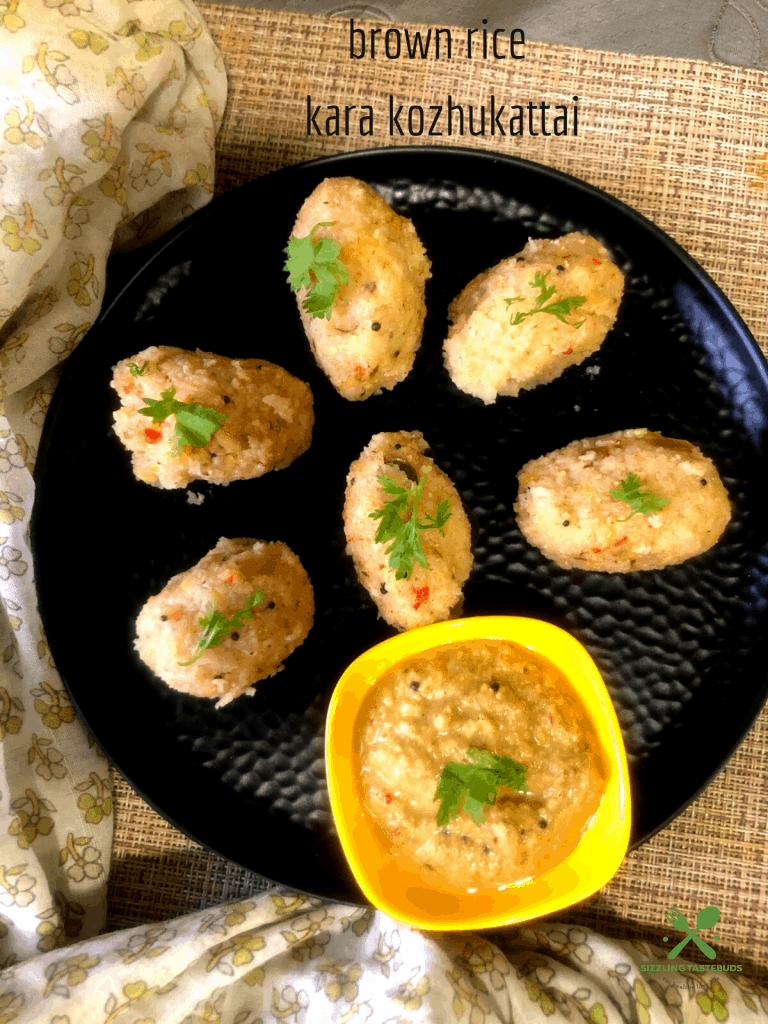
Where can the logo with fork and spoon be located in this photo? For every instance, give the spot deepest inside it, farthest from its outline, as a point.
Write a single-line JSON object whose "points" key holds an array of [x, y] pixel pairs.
{"points": [[706, 918]]}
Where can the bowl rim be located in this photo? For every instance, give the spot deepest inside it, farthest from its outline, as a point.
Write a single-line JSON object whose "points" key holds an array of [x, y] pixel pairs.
{"points": [[605, 840]]}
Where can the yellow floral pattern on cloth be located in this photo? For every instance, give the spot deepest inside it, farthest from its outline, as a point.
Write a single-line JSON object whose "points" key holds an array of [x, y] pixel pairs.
{"points": [[237, 964], [108, 117]]}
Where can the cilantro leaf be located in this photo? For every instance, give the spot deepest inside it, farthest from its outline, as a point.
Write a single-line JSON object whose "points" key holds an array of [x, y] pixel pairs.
{"points": [[638, 501], [560, 309], [195, 424], [316, 267], [217, 627], [135, 371], [399, 525], [470, 787]]}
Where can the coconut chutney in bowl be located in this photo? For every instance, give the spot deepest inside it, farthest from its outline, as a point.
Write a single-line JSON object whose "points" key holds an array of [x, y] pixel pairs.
{"points": [[477, 773]]}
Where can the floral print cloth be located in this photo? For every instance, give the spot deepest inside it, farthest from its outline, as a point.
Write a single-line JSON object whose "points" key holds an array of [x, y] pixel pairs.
{"points": [[109, 114], [290, 958]]}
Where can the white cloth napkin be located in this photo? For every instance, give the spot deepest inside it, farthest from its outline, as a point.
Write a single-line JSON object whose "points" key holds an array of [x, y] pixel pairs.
{"points": [[292, 958], [109, 113]]}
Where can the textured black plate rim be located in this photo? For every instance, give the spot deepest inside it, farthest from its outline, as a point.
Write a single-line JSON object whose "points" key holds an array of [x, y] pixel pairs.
{"points": [[740, 334]]}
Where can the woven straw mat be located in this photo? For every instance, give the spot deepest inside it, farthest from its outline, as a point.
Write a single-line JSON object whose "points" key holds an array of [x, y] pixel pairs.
{"points": [[682, 142]]}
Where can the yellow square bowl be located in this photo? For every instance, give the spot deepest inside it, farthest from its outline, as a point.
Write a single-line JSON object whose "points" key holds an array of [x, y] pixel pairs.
{"points": [[385, 875]]}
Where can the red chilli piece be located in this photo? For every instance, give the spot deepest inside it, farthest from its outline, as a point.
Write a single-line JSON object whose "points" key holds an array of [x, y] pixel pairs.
{"points": [[421, 594], [567, 351], [152, 435], [231, 579], [598, 262], [619, 542], [551, 718], [388, 798], [596, 551]]}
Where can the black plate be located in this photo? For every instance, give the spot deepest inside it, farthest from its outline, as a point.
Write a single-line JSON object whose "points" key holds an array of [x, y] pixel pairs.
{"points": [[683, 651]]}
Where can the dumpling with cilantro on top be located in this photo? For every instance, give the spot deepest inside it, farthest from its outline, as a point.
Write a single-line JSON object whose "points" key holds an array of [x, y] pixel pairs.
{"points": [[187, 416], [359, 270], [622, 502], [229, 621], [525, 321], [417, 567]]}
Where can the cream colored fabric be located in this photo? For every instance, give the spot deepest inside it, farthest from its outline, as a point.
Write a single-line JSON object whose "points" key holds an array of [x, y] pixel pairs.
{"points": [[288, 957], [108, 118]]}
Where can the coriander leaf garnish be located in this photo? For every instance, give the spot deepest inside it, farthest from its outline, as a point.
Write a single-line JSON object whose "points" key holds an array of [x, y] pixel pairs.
{"points": [[316, 266], [400, 525], [217, 627], [639, 501], [195, 424], [560, 309], [470, 787], [135, 371]]}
